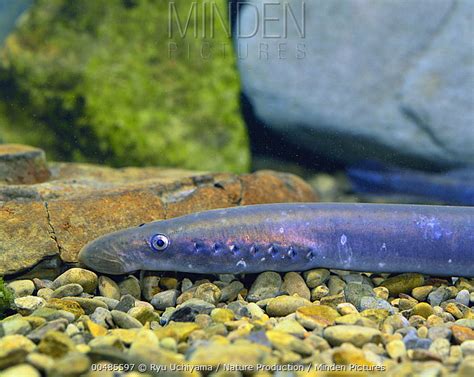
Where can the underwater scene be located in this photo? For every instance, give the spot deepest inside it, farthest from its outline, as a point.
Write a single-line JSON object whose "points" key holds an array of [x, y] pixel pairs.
{"points": [[224, 188]]}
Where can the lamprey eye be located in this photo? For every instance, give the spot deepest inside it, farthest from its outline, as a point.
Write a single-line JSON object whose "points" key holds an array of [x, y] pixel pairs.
{"points": [[159, 242]]}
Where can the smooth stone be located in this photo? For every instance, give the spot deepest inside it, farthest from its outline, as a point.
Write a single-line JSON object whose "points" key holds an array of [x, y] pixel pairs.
{"points": [[438, 332], [88, 304], [15, 327], [75, 363], [208, 292], [42, 283], [354, 292], [253, 311], [440, 347], [144, 314], [110, 302], [51, 314], [231, 291], [357, 278], [375, 303], [167, 282], [461, 333], [55, 325], [233, 354], [108, 288], [466, 322], [421, 293], [396, 349], [283, 305], [177, 330], [439, 295], [130, 286], [412, 341], [467, 348], [316, 277], [267, 285], [423, 309], [335, 285], [463, 297], [382, 293], [102, 317], [56, 344], [316, 316], [41, 362], [317, 293], [28, 304], [346, 308], [291, 326], [71, 289], [150, 287], [9, 343], [403, 283], [22, 288], [222, 315], [87, 279], [165, 299], [95, 329], [294, 284], [356, 335], [126, 303], [21, 370], [45, 293], [286, 342], [66, 305], [125, 321]]}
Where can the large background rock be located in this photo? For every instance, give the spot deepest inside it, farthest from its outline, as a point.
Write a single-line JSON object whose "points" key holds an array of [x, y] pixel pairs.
{"points": [[380, 79], [94, 81], [81, 202]]}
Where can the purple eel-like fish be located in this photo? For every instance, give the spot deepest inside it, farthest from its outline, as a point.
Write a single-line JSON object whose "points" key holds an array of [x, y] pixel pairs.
{"points": [[435, 240]]}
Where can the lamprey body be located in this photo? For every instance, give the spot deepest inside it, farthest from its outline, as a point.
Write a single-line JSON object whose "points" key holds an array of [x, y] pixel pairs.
{"points": [[436, 240]]}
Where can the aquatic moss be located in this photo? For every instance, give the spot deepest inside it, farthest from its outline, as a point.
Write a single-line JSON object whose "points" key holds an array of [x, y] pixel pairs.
{"points": [[6, 297], [96, 81]]}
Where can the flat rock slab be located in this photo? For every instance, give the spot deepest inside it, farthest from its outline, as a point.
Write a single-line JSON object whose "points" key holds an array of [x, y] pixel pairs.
{"points": [[81, 202], [22, 164]]}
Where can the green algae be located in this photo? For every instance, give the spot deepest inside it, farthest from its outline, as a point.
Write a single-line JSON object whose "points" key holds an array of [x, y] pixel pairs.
{"points": [[6, 297], [102, 81]]}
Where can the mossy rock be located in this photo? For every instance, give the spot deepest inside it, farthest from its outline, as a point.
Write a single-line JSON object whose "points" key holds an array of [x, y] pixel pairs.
{"points": [[6, 298], [97, 81]]}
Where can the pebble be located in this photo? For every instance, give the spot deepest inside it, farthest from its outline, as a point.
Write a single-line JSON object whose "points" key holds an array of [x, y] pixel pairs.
{"points": [[22, 288], [412, 341], [403, 283], [421, 293], [382, 293], [317, 293], [294, 284], [150, 287], [231, 291], [208, 292], [71, 289], [102, 317], [56, 344], [369, 302], [438, 332], [144, 314], [126, 303], [45, 293], [130, 286], [28, 304], [461, 333], [335, 285], [316, 277], [110, 302], [440, 347], [396, 349], [357, 278], [222, 315], [87, 279], [125, 321], [41, 362], [165, 299], [51, 314], [356, 335], [267, 285], [291, 326], [75, 363], [354, 292], [463, 297], [108, 288], [283, 305], [55, 325], [88, 304], [66, 305], [439, 295], [172, 283], [423, 309], [23, 370], [15, 327], [467, 348]]}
